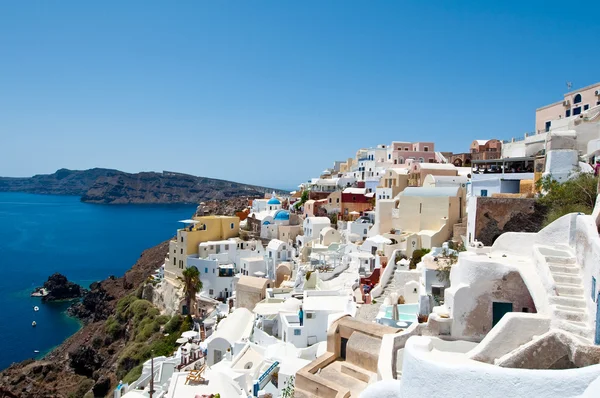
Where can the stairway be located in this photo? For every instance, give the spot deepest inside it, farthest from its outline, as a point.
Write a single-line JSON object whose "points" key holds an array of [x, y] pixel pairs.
{"points": [[569, 311]]}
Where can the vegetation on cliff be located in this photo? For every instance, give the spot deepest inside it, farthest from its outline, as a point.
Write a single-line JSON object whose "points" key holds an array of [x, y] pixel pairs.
{"points": [[108, 347], [576, 195]]}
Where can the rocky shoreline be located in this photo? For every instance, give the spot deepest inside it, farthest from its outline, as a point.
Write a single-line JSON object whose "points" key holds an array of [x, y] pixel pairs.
{"points": [[85, 365]]}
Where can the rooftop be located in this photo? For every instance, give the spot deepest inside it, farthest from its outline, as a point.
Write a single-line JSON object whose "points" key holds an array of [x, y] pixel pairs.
{"points": [[253, 282], [430, 191], [326, 303]]}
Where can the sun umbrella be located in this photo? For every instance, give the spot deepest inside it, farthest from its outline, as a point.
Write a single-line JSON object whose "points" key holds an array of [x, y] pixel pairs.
{"points": [[190, 334], [181, 340], [354, 213]]}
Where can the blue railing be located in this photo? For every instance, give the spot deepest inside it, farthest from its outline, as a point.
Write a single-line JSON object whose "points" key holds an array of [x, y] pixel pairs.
{"points": [[271, 368]]}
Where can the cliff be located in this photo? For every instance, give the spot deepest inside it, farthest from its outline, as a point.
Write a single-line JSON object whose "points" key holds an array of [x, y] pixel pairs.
{"points": [[91, 361], [108, 186]]}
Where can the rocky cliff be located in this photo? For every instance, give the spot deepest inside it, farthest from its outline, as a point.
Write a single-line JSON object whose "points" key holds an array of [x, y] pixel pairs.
{"points": [[91, 361], [116, 187]]}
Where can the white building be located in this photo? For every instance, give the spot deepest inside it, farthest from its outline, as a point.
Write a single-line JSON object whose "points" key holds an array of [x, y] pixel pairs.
{"points": [[312, 228], [278, 251], [235, 328]]}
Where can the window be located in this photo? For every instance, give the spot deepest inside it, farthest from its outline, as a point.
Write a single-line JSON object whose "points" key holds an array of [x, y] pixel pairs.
{"points": [[174, 261], [389, 156], [598, 103], [278, 255], [548, 124], [525, 309], [270, 254], [211, 292], [181, 251], [484, 192], [297, 332], [420, 207], [568, 113], [576, 111], [406, 148], [426, 149], [232, 225], [421, 160], [593, 289], [182, 238], [337, 200], [213, 270], [354, 198], [365, 231], [329, 200], [577, 99], [586, 107]]}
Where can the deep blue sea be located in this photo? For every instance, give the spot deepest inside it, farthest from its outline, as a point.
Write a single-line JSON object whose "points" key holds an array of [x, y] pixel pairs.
{"points": [[43, 234]]}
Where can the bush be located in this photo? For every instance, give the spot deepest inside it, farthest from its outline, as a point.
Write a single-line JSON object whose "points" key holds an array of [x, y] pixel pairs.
{"points": [[576, 195], [417, 256], [162, 319], [84, 386], [123, 306], [113, 328], [133, 374], [146, 329], [399, 256], [174, 324]]}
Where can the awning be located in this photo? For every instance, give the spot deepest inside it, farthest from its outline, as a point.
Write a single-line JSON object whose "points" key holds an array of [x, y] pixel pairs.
{"points": [[189, 221]]}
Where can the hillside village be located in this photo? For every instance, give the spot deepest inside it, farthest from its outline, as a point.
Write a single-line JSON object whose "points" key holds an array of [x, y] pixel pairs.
{"points": [[400, 271]]}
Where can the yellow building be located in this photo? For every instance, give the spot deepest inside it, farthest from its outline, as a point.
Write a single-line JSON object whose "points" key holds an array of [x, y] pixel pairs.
{"points": [[200, 229]]}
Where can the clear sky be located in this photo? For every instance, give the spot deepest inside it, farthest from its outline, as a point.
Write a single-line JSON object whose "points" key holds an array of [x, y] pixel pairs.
{"points": [[272, 92]]}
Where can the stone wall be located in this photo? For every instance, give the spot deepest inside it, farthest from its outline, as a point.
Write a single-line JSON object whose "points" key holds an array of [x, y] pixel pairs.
{"points": [[496, 216]]}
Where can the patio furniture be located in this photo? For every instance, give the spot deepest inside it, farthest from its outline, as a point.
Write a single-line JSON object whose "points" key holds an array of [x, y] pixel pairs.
{"points": [[196, 375]]}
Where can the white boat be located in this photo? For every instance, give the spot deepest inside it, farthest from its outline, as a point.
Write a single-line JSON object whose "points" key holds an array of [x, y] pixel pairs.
{"points": [[33, 323], [36, 351], [36, 308]]}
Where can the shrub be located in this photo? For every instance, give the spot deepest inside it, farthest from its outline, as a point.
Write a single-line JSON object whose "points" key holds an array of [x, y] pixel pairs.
{"points": [[174, 324], [146, 329], [123, 306], [113, 328], [162, 319], [84, 386], [417, 256], [133, 374], [422, 318], [399, 256], [401, 300]]}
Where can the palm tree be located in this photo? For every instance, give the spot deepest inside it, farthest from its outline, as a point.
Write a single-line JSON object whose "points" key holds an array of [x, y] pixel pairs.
{"points": [[191, 285]]}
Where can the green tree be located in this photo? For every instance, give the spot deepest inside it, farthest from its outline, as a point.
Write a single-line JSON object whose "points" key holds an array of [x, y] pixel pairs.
{"points": [[191, 285], [303, 199], [576, 195]]}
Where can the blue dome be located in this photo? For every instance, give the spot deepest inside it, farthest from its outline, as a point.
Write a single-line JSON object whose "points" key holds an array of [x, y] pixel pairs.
{"points": [[273, 201], [283, 215]]}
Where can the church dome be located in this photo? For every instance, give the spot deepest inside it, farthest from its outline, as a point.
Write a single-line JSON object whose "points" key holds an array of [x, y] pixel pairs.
{"points": [[282, 215], [273, 201]]}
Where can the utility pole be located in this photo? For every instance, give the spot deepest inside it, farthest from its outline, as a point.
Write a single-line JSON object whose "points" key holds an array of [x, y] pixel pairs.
{"points": [[151, 392]]}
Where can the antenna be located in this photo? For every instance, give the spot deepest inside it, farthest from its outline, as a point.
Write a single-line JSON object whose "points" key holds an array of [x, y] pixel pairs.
{"points": [[569, 85]]}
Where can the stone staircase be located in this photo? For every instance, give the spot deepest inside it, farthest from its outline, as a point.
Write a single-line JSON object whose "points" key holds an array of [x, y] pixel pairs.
{"points": [[569, 311]]}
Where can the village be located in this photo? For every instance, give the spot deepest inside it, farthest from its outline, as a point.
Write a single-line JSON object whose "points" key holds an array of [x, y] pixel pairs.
{"points": [[400, 271]]}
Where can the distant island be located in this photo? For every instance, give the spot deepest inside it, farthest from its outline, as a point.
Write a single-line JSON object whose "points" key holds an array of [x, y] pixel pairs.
{"points": [[107, 186]]}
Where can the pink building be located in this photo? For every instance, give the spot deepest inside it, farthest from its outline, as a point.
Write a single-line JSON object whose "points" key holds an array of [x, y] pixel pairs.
{"points": [[572, 104], [421, 152]]}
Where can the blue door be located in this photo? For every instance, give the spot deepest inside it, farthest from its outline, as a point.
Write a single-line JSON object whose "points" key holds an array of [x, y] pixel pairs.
{"points": [[597, 340]]}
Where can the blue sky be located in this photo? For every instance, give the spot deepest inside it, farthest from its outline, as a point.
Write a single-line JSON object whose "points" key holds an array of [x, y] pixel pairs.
{"points": [[272, 92]]}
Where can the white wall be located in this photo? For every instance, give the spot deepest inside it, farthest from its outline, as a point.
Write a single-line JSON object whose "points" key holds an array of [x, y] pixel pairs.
{"points": [[426, 372]]}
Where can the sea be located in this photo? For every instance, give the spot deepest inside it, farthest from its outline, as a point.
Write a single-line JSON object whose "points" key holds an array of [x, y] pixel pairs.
{"points": [[44, 234]]}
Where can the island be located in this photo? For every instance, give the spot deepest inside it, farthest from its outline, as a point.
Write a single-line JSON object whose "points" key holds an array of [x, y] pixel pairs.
{"points": [[58, 287], [108, 186]]}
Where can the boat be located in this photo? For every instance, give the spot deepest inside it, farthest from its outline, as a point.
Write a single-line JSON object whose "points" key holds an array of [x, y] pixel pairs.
{"points": [[33, 323], [36, 351], [36, 308]]}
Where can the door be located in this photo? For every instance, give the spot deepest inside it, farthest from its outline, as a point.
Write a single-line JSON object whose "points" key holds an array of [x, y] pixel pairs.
{"points": [[597, 340], [218, 356], [498, 311], [343, 348]]}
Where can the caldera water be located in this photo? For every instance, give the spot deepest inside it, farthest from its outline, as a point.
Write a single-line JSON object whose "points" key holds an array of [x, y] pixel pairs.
{"points": [[44, 234]]}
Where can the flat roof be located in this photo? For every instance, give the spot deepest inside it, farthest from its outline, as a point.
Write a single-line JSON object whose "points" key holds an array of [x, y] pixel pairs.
{"points": [[505, 160], [326, 303], [430, 191]]}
